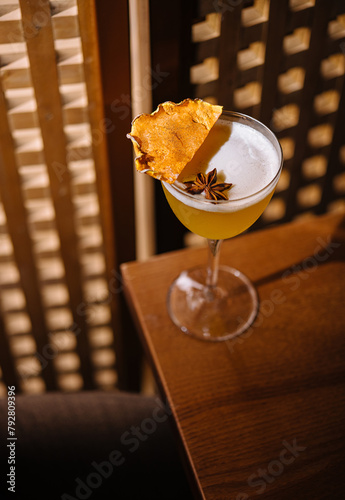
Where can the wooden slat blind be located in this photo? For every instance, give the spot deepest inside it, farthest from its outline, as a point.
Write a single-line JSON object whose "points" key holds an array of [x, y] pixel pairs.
{"points": [[18, 232], [58, 281]]}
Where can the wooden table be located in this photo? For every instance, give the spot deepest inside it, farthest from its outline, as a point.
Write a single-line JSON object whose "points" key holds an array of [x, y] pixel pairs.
{"points": [[262, 415]]}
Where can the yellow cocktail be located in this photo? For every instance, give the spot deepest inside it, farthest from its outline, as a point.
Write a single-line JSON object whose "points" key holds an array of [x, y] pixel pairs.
{"points": [[219, 302], [243, 156], [215, 225]]}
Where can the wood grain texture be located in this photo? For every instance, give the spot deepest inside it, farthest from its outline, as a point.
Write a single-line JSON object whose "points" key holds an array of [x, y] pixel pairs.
{"points": [[262, 414]]}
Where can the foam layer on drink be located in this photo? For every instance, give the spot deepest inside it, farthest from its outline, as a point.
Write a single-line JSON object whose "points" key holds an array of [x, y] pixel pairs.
{"points": [[242, 156]]}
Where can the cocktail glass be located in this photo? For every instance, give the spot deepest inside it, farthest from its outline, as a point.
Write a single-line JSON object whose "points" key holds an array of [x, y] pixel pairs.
{"points": [[214, 302]]}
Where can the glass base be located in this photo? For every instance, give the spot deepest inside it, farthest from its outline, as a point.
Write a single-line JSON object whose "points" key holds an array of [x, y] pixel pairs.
{"points": [[213, 313]]}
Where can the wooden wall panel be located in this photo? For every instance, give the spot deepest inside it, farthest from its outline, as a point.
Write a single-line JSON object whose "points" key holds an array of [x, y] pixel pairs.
{"points": [[282, 62], [288, 70], [59, 282]]}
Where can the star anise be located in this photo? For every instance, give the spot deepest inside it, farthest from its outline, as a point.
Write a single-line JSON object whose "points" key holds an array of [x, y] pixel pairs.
{"points": [[213, 190]]}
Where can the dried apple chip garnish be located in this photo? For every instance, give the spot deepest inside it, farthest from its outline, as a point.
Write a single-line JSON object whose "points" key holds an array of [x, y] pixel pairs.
{"points": [[167, 139]]}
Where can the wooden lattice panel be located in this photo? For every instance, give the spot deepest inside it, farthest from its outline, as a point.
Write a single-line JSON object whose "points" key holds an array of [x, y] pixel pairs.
{"points": [[282, 62], [57, 288]]}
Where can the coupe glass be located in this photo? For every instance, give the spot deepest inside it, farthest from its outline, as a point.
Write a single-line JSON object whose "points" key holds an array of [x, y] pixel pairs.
{"points": [[216, 303]]}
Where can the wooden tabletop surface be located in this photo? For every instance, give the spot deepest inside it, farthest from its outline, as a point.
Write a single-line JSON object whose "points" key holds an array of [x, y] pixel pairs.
{"points": [[263, 414]]}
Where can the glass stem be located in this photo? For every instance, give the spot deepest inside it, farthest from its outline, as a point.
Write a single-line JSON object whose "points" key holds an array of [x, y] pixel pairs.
{"points": [[213, 262]]}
